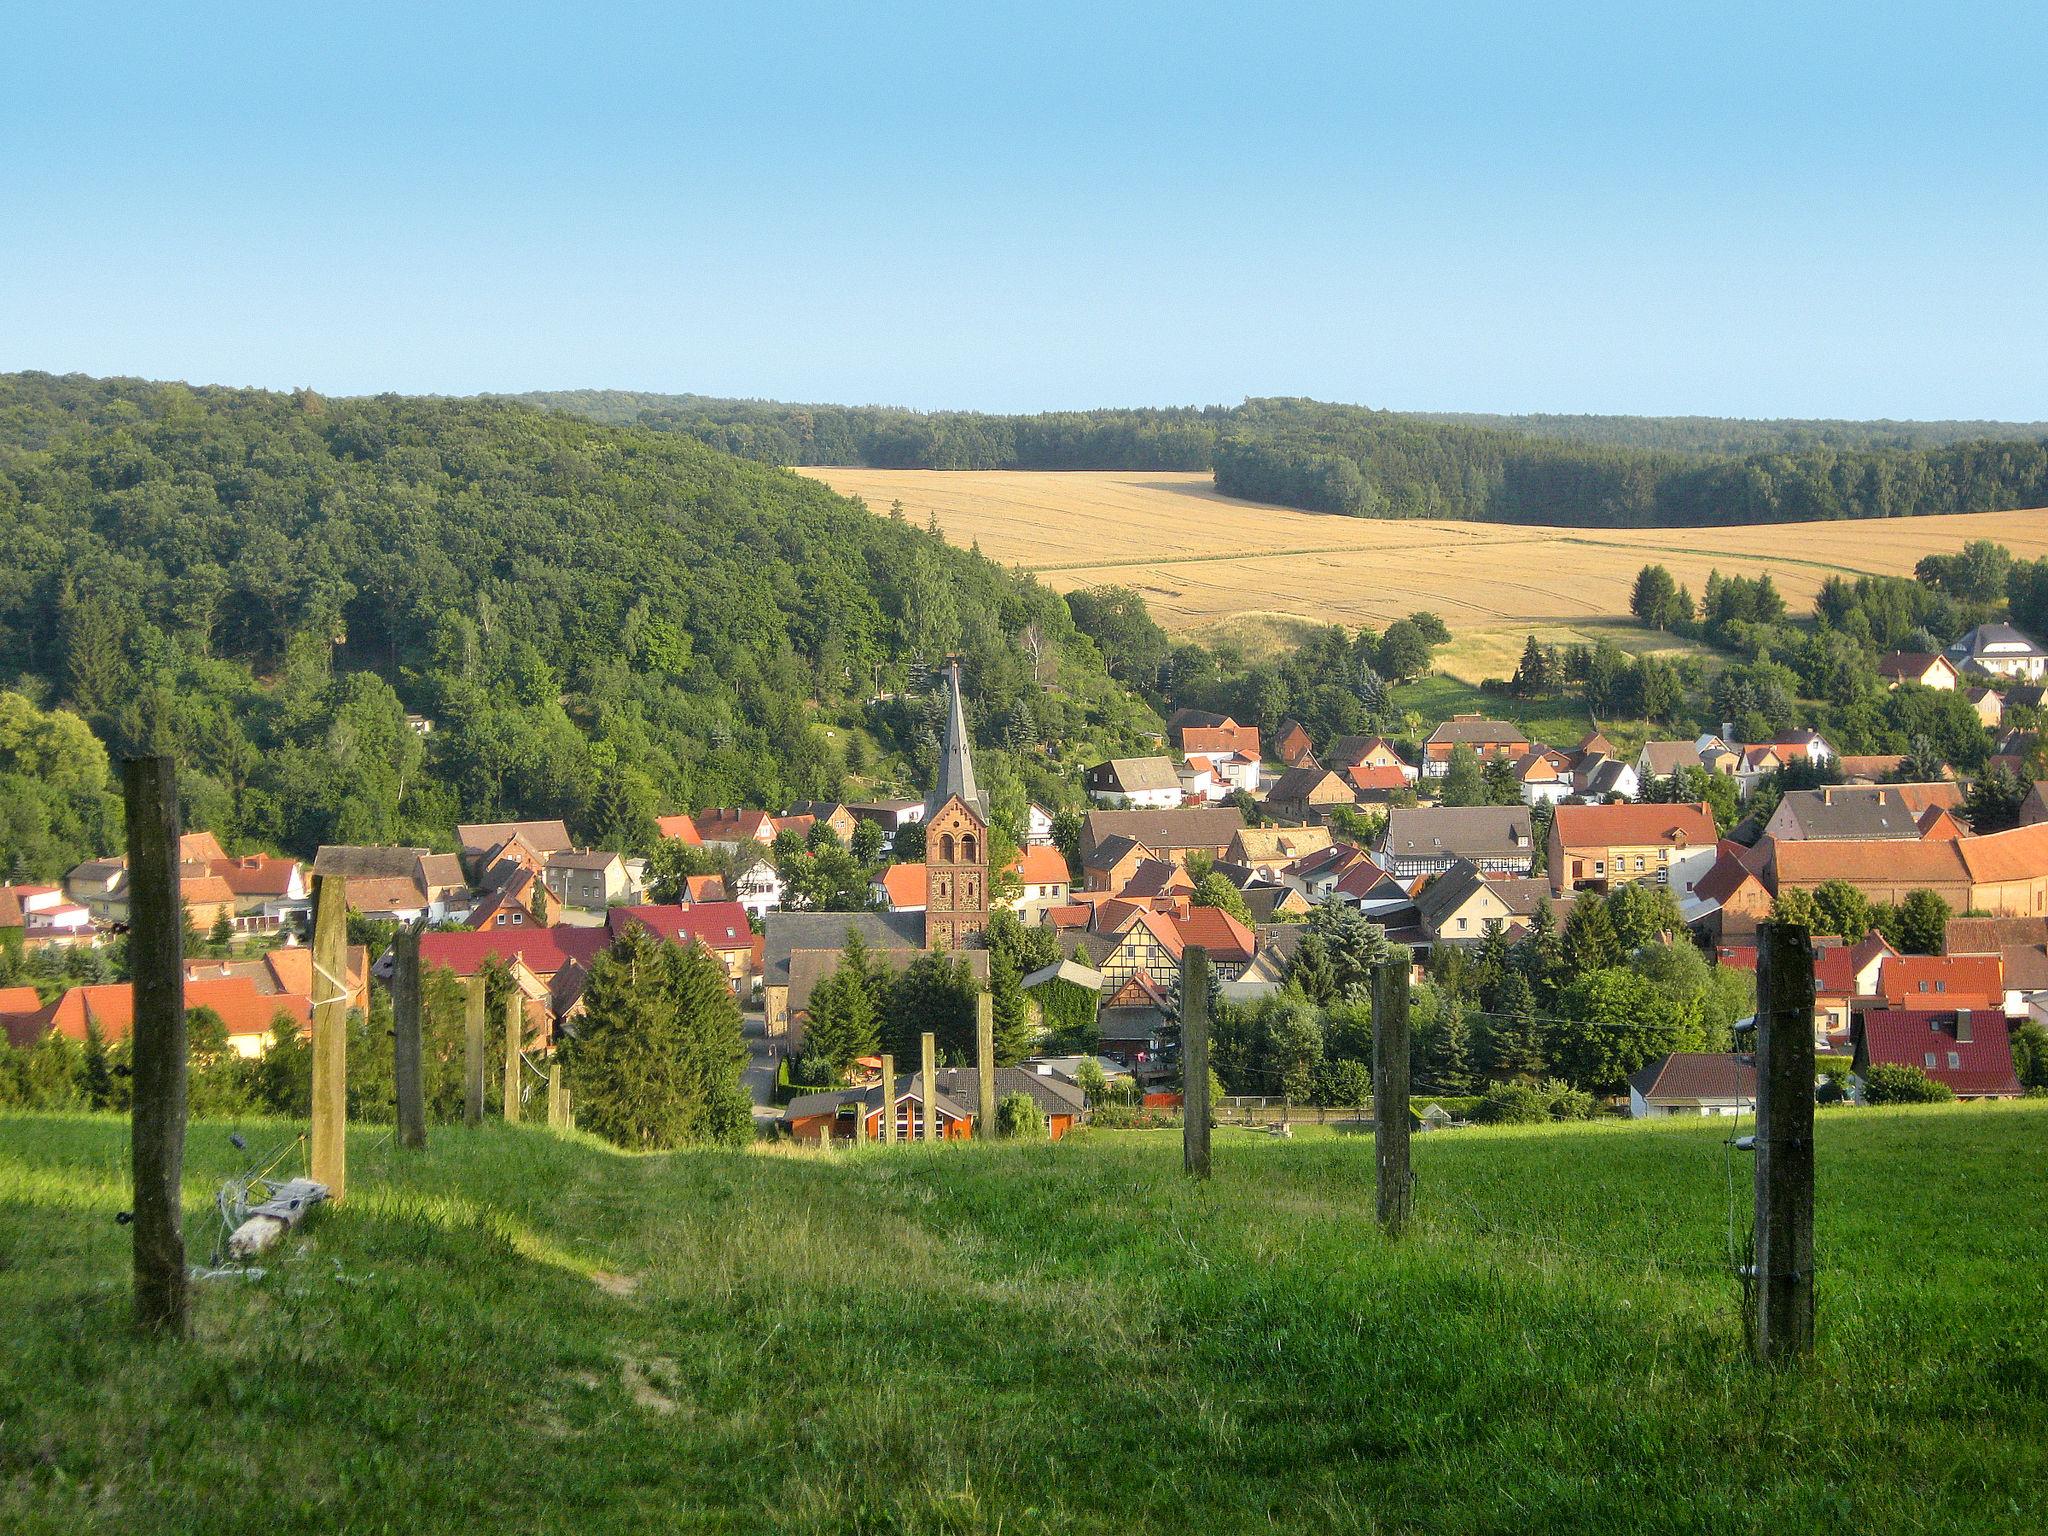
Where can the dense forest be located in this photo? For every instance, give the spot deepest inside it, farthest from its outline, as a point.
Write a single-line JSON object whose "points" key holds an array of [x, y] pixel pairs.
{"points": [[589, 622], [1590, 471]]}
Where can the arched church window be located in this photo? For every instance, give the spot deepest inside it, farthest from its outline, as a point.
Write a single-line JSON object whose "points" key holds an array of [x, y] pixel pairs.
{"points": [[946, 849], [967, 850]]}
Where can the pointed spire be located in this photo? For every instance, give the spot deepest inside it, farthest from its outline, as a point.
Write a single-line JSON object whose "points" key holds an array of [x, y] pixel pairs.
{"points": [[956, 758]]}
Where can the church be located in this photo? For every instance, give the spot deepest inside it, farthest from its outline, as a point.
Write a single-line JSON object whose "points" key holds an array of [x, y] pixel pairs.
{"points": [[800, 949]]}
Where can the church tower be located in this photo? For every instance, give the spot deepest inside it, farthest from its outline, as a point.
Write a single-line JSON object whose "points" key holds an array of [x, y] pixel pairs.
{"points": [[955, 839]]}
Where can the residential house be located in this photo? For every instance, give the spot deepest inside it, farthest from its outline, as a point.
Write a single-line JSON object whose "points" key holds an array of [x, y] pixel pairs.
{"points": [[42, 915], [250, 1015], [268, 892], [1716, 756], [733, 827], [1063, 1104], [1369, 752], [1855, 812], [1488, 738], [1146, 783], [720, 926], [1753, 765], [1308, 795], [2034, 809], [758, 888], [1662, 759], [1272, 849], [1198, 730], [1231, 752], [1457, 907], [1885, 871], [1846, 976], [1967, 1049], [1860, 768], [2021, 945], [1731, 898], [1377, 786], [851, 1114], [1544, 776], [830, 813], [1990, 706], [1429, 840], [1602, 846], [1606, 778], [1038, 825], [101, 885], [1170, 834], [482, 841], [2008, 872], [1999, 650], [1927, 669], [1693, 1083], [393, 884], [892, 816], [1045, 882], [588, 881], [900, 887], [1941, 982], [1292, 746], [1199, 784], [1111, 863], [1153, 943], [1802, 745], [20, 1007], [1316, 874]]}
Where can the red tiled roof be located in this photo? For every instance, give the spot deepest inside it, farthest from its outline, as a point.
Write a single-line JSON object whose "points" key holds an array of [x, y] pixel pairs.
{"points": [[1903, 1037], [245, 1010], [731, 824], [1942, 981], [714, 924], [1692, 1076], [681, 828], [544, 950], [2018, 854], [1634, 826], [1225, 938], [258, 874], [1074, 915], [1042, 864], [1367, 778], [1835, 966], [905, 885]]}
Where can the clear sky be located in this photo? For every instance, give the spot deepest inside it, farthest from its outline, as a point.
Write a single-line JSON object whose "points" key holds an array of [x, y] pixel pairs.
{"points": [[1780, 209]]}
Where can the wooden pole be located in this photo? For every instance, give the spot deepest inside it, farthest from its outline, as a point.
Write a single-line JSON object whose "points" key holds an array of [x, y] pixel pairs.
{"points": [[557, 1103], [1195, 1113], [515, 1037], [888, 1100], [330, 1034], [1784, 1143], [985, 1065], [156, 959], [1390, 1090], [931, 1091], [473, 1054], [408, 1067]]}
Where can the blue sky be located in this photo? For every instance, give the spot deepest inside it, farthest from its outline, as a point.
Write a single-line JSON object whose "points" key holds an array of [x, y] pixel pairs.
{"points": [[1735, 210]]}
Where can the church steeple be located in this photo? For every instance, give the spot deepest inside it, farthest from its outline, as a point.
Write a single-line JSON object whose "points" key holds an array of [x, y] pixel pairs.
{"points": [[955, 839], [956, 758]]}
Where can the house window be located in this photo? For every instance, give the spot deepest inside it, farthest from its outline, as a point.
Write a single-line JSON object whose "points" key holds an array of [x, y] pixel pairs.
{"points": [[1955, 1060], [1929, 1058]]}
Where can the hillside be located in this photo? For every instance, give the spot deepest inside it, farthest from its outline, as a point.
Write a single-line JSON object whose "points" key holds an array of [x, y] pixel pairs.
{"points": [[1614, 472], [521, 1334], [1218, 568], [599, 623]]}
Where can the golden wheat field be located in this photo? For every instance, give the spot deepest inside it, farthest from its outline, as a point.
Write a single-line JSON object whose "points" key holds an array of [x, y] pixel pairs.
{"points": [[1207, 563]]}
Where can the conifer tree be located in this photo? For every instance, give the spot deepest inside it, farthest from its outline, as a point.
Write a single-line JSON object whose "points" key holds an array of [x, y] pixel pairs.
{"points": [[1589, 942], [1013, 1031]]}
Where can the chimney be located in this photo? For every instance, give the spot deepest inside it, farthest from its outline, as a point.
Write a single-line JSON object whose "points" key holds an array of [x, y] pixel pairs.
{"points": [[1963, 1032], [1827, 795]]}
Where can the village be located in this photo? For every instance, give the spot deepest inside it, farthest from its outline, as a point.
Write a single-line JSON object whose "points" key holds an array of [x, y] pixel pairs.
{"points": [[1471, 844]]}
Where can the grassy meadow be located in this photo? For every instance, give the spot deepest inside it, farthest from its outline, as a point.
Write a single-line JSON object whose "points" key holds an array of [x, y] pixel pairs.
{"points": [[521, 1333], [1204, 560]]}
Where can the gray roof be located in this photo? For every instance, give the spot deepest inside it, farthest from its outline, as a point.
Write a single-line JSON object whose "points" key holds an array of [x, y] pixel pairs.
{"points": [[1187, 827], [543, 837], [907, 1087], [1462, 831], [1664, 758], [1131, 775], [1471, 730], [1091, 949], [1071, 971], [956, 759], [1863, 812], [583, 859], [1055, 1097], [786, 932], [1106, 853]]}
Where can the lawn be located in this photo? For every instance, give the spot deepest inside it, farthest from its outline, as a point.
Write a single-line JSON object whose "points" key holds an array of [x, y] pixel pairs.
{"points": [[518, 1333]]}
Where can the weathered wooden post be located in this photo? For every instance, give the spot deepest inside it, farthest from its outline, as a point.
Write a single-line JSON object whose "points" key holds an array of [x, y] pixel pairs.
{"points": [[473, 1053], [1390, 1089], [408, 1068], [931, 1087], [515, 1040], [1195, 1113], [985, 1065], [558, 1108], [156, 943], [1784, 1143], [330, 1034], [888, 1099]]}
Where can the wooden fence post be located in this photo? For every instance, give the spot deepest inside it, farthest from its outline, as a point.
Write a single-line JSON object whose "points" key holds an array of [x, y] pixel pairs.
{"points": [[888, 1099], [473, 1053], [985, 1065], [557, 1101], [408, 1069], [1390, 1089], [1784, 1143], [330, 1034], [931, 1088], [1195, 1113], [156, 959], [515, 1039]]}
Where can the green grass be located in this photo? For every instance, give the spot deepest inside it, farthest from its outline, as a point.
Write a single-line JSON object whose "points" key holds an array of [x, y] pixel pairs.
{"points": [[1014, 1338], [1556, 722]]}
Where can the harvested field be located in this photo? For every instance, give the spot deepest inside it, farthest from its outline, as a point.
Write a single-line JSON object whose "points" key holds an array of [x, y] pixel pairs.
{"points": [[1204, 560]]}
